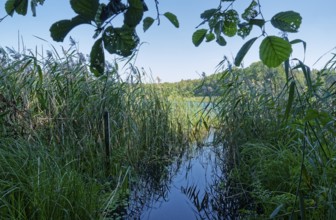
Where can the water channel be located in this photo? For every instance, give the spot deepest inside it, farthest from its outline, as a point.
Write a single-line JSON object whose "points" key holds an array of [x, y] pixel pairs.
{"points": [[192, 188]]}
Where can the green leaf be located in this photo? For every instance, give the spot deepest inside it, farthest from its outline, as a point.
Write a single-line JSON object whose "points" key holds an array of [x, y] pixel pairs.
{"points": [[134, 13], [250, 12], [198, 36], [97, 58], [85, 8], [231, 20], [210, 37], [207, 14], [221, 41], [288, 21], [60, 29], [172, 18], [147, 23], [243, 51], [10, 7], [297, 41], [244, 30], [218, 27], [259, 22], [121, 41], [290, 99], [20, 6], [274, 50], [33, 5], [287, 68], [307, 73]]}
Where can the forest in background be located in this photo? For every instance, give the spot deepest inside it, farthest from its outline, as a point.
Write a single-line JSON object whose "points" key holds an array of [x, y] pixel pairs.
{"points": [[256, 73]]}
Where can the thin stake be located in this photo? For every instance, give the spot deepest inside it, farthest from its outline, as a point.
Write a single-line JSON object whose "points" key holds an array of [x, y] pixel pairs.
{"points": [[107, 141]]}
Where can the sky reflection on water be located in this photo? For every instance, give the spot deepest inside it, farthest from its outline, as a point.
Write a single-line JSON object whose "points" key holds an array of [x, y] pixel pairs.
{"points": [[196, 172]]}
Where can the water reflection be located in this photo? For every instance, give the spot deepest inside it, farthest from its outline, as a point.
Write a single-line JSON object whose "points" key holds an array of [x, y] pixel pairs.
{"points": [[191, 186]]}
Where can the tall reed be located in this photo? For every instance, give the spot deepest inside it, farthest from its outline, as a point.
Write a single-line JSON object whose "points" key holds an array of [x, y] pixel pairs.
{"points": [[280, 137], [52, 139]]}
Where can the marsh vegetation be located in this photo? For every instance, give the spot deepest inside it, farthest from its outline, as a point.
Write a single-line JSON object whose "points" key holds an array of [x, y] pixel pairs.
{"points": [[53, 158], [276, 137]]}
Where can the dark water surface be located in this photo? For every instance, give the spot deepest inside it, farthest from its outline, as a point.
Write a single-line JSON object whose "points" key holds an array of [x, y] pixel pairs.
{"points": [[184, 192]]}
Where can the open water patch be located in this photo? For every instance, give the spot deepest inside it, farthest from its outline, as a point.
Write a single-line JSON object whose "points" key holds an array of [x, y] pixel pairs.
{"points": [[186, 189]]}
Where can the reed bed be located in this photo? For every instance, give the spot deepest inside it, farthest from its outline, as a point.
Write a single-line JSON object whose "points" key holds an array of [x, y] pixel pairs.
{"points": [[280, 138], [53, 158]]}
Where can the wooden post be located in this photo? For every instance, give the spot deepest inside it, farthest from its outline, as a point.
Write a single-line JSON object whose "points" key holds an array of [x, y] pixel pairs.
{"points": [[107, 141]]}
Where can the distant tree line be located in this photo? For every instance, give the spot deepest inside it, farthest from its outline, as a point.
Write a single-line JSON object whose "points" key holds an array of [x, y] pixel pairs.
{"points": [[257, 74]]}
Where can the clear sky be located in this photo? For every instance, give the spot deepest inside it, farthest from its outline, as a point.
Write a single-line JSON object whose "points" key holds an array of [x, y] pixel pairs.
{"points": [[168, 52]]}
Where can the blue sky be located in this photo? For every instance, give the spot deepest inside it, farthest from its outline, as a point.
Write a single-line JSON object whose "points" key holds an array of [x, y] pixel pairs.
{"points": [[168, 53]]}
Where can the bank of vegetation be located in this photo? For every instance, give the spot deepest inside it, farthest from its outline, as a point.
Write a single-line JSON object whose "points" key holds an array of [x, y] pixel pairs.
{"points": [[278, 129], [54, 163], [279, 133]]}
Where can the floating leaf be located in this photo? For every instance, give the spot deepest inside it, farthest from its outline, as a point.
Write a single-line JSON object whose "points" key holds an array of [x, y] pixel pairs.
{"points": [[61, 28], [121, 41], [97, 58], [288, 21], [172, 18], [134, 13], [274, 50], [243, 51], [147, 22], [198, 36], [87, 9]]}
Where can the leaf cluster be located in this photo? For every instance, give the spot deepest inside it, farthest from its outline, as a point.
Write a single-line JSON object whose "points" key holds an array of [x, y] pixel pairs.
{"points": [[21, 6], [226, 22], [223, 22]]}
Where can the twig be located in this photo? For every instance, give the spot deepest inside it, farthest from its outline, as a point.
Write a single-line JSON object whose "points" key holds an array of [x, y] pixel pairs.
{"points": [[1, 19], [157, 11]]}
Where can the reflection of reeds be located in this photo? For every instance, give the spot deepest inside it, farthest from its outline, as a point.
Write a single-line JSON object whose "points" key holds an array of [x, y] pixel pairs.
{"points": [[200, 202], [153, 180]]}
